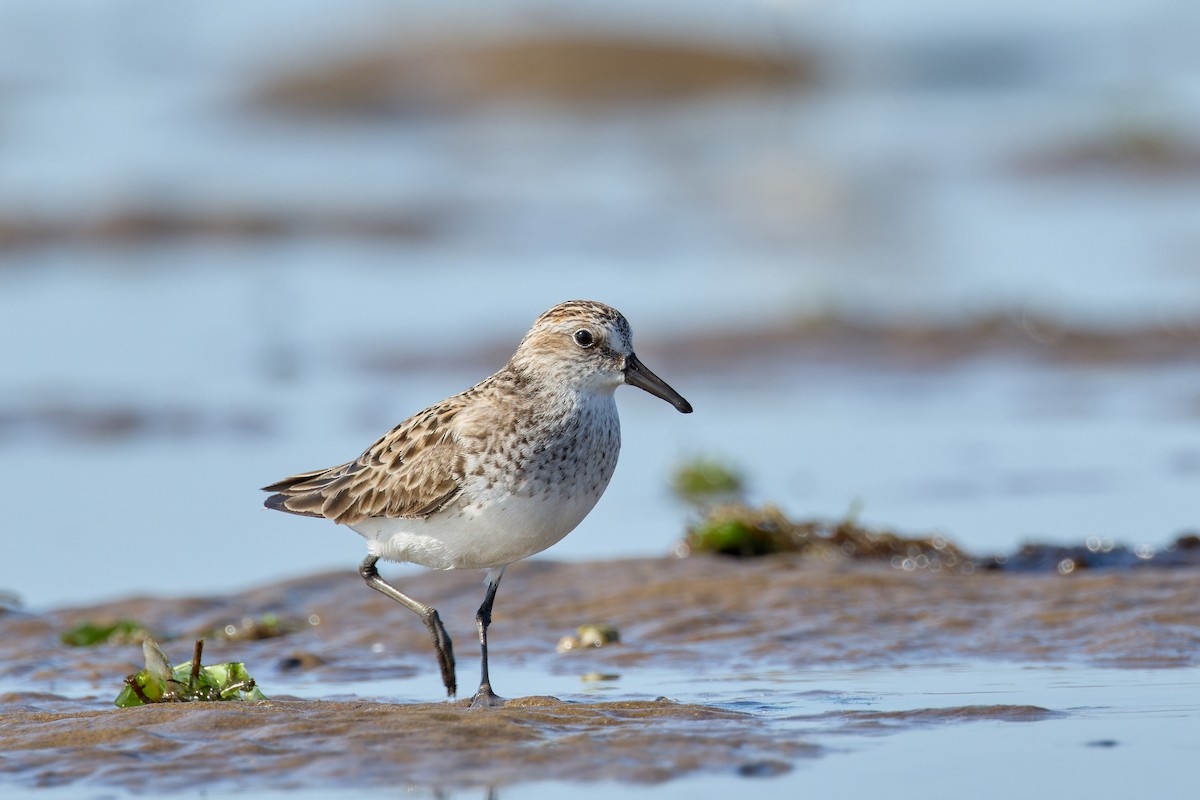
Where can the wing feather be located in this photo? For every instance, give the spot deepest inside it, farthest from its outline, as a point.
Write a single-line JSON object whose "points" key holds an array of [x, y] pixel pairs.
{"points": [[412, 471]]}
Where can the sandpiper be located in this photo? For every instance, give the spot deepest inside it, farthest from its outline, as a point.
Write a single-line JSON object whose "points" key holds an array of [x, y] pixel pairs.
{"points": [[492, 475]]}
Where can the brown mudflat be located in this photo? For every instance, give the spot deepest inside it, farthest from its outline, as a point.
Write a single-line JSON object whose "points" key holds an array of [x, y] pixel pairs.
{"points": [[302, 743], [706, 617], [566, 70]]}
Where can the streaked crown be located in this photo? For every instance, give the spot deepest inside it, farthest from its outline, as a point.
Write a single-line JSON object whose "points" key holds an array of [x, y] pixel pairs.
{"points": [[575, 340]]}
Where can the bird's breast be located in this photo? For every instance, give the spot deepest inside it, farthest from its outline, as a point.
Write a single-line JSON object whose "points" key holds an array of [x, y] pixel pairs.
{"points": [[566, 459]]}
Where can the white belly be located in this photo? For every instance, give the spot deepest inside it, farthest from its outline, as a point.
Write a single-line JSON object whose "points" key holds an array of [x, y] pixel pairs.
{"points": [[493, 534]]}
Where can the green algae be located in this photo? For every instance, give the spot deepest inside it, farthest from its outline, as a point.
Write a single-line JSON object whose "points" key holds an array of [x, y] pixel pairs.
{"points": [[188, 682]]}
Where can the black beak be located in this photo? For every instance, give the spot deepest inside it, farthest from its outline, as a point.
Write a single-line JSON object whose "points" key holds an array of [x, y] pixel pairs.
{"points": [[636, 374]]}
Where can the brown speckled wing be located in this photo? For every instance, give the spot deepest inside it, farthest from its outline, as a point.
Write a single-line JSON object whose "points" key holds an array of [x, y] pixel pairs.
{"points": [[412, 471]]}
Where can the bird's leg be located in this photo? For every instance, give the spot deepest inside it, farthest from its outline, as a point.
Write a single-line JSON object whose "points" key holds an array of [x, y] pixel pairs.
{"points": [[485, 697], [428, 614]]}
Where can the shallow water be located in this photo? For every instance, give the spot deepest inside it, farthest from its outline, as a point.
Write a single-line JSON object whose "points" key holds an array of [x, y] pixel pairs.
{"points": [[797, 673]]}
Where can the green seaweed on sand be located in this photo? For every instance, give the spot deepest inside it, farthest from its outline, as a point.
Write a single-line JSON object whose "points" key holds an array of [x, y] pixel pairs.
{"points": [[706, 480], [89, 634], [746, 532], [736, 530], [159, 682], [593, 634]]}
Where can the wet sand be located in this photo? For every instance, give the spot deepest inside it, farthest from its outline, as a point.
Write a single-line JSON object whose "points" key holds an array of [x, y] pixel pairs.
{"points": [[301, 743], [705, 616]]}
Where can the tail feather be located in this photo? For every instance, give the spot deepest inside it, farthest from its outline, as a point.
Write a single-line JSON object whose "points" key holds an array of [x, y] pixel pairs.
{"points": [[279, 502], [303, 494], [293, 481]]}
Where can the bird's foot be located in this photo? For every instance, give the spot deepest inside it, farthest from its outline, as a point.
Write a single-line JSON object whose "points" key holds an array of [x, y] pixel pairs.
{"points": [[444, 650], [486, 698]]}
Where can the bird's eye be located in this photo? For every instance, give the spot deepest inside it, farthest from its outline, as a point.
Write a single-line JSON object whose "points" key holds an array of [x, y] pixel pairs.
{"points": [[584, 338]]}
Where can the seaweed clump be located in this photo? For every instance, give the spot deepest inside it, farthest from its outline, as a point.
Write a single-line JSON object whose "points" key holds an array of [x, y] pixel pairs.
{"points": [[596, 634], [188, 682], [706, 480], [745, 532], [90, 634]]}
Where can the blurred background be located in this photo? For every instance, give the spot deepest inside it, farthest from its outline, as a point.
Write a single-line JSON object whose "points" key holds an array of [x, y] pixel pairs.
{"points": [[933, 263]]}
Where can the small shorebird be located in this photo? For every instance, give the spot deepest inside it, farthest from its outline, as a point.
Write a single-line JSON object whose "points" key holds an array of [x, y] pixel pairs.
{"points": [[492, 475]]}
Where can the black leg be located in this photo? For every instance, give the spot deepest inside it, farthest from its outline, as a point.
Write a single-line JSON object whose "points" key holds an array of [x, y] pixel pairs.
{"points": [[428, 614], [485, 697]]}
